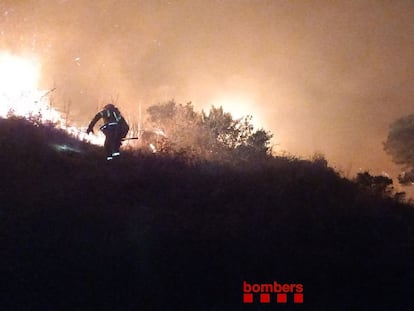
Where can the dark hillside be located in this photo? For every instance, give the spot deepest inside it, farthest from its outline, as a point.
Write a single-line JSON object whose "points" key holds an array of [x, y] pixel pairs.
{"points": [[153, 232]]}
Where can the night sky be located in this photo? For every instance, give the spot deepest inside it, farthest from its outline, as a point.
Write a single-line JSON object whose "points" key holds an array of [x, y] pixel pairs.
{"points": [[323, 76]]}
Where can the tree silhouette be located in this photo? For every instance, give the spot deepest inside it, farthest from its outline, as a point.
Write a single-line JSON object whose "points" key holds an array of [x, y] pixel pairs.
{"points": [[400, 141], [179, 123], [378, 185], [210, 135]]}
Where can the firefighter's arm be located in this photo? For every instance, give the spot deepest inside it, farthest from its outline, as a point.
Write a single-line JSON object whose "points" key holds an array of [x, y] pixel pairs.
{"points": [[93, 122]]}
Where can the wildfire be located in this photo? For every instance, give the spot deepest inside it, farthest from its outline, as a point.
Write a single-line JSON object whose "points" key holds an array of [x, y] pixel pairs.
{"points": [[239, 105], [20, 96]]}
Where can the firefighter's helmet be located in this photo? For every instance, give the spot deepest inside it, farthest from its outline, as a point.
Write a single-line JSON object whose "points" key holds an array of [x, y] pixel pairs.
{"points": [[109, 106]]}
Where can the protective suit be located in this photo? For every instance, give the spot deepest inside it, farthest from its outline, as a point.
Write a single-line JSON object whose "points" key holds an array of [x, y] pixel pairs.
{"points": [[115, 129]]}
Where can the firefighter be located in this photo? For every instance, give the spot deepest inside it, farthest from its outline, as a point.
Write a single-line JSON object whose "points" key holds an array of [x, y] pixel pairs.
{"points": [[115, 128]]}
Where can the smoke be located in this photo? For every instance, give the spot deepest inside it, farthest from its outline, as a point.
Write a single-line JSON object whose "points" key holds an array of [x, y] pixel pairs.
{"points": [[400, 142], [91, 52], [322, 76], [400, 145]]}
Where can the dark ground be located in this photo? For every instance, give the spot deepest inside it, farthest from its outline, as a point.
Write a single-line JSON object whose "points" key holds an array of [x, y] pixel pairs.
{"points": [[151, 232]]}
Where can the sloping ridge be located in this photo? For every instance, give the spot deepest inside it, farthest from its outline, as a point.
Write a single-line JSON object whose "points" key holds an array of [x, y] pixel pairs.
{"points": [[156, 232]]}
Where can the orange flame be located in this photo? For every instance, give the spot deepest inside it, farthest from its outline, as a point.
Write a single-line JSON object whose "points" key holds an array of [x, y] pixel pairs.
{"points": [[20, 96]]}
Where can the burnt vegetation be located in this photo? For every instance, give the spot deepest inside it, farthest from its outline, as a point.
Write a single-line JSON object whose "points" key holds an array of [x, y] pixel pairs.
{"points": [[172, 231]]}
